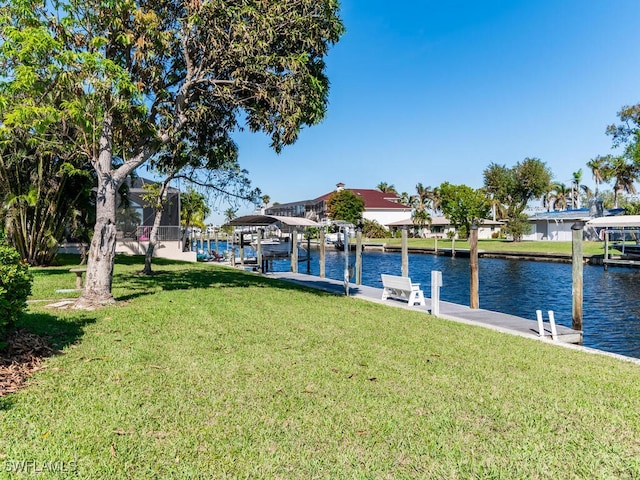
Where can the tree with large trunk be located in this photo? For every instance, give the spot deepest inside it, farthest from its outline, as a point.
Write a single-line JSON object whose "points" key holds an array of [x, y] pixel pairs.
{"points": [[144, 73]]}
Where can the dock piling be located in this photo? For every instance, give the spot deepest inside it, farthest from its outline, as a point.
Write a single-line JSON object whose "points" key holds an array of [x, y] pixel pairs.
{"points": [[405, 252], [474, 301], [576, 275]]}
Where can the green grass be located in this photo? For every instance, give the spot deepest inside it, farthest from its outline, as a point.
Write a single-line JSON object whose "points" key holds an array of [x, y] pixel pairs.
{"points": [[538, 246], [207, 372]]}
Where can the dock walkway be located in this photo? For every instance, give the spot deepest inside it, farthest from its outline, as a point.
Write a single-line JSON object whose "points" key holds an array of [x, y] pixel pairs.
{"points": [[497, 321]]}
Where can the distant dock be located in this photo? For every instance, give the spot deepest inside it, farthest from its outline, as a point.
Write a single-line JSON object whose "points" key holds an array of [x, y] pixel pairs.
{"points": [[485, 318]]}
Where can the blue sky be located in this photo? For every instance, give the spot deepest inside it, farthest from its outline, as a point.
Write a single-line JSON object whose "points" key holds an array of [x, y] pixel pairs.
{"points": [[434, 91]]}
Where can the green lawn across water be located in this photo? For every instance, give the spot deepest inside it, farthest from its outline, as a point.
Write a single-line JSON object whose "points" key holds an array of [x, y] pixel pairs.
{"points": [[497, 245], [203, 372]]}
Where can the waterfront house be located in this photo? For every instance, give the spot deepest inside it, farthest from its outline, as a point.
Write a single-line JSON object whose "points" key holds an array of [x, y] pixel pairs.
{"points": [[133, 213], [556, 225], [383, 208]]}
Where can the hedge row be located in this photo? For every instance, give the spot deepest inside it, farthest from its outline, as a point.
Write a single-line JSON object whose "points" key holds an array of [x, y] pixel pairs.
{"points": [[15, 287]]}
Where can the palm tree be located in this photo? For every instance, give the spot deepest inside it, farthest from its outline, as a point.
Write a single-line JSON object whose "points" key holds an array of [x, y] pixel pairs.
{"points": [[625, 174], [587, 192], [193, 211], [405, 198], [421, 202], [384, 187], [229, 214], [422, 199], [575, 189], [559, 196], [598, 168], [435, 199], [420, 218]]}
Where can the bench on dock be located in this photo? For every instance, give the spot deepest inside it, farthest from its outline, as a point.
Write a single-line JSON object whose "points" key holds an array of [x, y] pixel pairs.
{"points": [[401, 288]]}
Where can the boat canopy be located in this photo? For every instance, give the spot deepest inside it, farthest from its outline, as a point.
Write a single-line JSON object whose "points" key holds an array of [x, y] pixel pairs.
{"points": [[264, 220], [617, 221]]}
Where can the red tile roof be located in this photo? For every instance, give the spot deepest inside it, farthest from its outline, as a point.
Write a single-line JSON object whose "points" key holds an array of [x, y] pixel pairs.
{"points": [[373, 199]]}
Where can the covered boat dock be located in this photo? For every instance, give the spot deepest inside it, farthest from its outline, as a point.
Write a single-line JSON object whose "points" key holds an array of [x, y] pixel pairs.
{"points": [[616, 231], [266, 251]]}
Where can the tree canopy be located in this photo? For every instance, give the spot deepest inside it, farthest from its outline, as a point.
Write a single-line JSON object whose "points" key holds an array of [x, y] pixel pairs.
{"points": [[135, 76], [512, 188], [463, 205], [346, 206]]}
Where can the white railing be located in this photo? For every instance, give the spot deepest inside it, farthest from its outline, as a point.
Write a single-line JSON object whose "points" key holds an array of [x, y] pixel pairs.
{"points": [[164, 233]]}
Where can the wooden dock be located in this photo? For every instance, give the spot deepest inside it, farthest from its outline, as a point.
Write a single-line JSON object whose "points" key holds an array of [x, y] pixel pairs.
{"points": [[485, 318]]}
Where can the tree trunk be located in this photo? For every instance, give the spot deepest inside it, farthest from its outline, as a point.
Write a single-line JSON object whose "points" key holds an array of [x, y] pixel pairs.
{"points": [[148, 256], [153, 236], [97, 289], [102, 253]]}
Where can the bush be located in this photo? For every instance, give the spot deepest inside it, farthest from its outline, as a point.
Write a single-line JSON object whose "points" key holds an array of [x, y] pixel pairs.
{"points": [[372, 229], [15, 287], [517, 227]]}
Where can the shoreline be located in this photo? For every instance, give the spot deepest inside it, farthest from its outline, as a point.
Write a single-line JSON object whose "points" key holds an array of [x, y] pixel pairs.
{"points": [[589, 259]]}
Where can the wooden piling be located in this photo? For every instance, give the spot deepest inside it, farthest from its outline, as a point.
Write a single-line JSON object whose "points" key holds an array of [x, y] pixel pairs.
{"points": [[473, 267], [259, 250], [322, 253], [308, 253], [359, 256], [576, 275], [405, 252], [294, 251]]}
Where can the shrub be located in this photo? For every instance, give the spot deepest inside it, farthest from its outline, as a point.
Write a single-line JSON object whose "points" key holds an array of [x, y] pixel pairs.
{"points": [[372, 229], [518, 226], [15, 287]]}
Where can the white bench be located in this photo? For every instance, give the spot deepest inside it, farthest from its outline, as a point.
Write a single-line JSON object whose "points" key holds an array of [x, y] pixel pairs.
{"points": [[401, 288]]}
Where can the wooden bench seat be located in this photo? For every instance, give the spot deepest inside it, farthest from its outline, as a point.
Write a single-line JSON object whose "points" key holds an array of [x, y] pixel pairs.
{"points": [[401, 288]]}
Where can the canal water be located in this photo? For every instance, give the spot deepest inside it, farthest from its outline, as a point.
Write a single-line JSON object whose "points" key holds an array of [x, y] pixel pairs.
{"points": [[611, 303]]}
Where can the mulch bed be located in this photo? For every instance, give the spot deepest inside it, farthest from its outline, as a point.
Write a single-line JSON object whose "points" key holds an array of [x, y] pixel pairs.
{"points": [[22, 357]]}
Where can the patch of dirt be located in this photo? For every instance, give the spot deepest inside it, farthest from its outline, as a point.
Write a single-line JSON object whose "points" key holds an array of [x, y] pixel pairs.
{"points": [[20, 359]]}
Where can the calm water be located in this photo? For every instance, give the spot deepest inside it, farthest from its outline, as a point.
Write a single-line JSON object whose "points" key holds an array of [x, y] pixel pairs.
{"points": [[611, 305]]}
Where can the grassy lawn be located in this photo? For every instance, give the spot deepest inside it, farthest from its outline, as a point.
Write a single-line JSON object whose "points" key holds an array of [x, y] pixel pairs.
{"points": [[207, 372], [588, 248]]}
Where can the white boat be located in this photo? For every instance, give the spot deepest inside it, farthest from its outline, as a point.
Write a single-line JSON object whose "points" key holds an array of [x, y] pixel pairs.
{"points": [[272, 246]]}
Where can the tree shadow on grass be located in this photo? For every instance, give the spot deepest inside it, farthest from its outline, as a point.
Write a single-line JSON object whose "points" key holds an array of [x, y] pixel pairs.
{"points": [[37, 335], [202, 278], [59, 332]]}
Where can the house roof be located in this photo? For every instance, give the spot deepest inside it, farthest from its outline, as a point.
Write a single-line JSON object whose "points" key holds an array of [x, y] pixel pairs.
{"points": [[373, 199], [582, 214], [263, 220]]}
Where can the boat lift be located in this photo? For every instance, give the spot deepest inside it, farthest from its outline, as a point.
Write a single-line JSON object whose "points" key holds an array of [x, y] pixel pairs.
{"points": [[619, 227], [290, 225]]}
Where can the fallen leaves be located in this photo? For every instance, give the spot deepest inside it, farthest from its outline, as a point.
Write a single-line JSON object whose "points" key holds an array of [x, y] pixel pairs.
{"points": [[22, 357]]}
